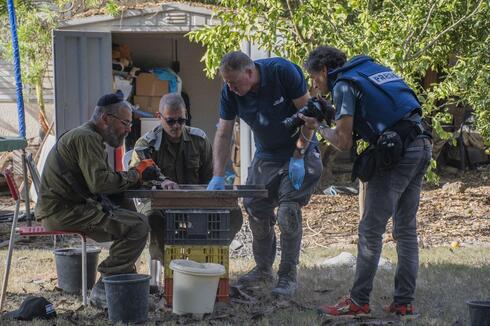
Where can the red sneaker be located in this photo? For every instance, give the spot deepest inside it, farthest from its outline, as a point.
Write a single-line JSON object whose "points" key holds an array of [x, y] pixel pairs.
{"points": [[345, 307], [401, 309]]}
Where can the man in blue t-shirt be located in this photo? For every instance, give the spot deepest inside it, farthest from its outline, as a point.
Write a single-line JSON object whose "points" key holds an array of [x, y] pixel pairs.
{"points": [[373, 103], [263, 93]]}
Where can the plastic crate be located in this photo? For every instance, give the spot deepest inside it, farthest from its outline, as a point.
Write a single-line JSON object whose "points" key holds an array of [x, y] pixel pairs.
{"points": [[201, 254], [222, 295], [197, 226]]}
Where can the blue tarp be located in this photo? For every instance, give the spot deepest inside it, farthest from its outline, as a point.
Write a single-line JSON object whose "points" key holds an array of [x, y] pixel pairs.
{"points": [[168, 74]]}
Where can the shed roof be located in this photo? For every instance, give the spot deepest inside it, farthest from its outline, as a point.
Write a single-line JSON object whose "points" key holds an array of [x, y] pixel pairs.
{"points": [[165, 17]]}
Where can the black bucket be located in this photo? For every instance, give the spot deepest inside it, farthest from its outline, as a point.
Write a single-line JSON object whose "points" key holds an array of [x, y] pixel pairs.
{"points": [[127, 297], [69, 268], [479, 312]]}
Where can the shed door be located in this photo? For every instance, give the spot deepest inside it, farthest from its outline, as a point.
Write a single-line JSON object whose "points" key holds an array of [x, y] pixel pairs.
{"points": [[82, 73]]}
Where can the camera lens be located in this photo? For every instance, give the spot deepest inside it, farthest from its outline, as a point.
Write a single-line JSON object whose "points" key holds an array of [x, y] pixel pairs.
{"points": [[292, 122]]}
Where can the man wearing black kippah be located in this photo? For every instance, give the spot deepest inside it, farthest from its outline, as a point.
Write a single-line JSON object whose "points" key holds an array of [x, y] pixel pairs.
{"points": [[79, 190]]}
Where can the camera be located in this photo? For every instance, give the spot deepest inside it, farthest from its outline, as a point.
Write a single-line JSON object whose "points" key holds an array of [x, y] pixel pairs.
{"points": [[317, 108]]}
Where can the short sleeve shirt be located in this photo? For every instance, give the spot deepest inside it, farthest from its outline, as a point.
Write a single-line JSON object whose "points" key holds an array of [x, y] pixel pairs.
{"points": [[281, 81], [344, 99]]}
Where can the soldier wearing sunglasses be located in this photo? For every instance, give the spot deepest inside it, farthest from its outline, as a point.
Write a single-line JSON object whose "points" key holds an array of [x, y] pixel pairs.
{"points": [[184, 156]]}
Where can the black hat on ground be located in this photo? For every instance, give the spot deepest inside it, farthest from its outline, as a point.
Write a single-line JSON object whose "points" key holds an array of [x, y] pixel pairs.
{"points": [[31, 308], [112, 98]]}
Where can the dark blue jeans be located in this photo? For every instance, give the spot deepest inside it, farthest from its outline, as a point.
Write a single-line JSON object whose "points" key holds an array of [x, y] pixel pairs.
{"points": [[394, 193]]}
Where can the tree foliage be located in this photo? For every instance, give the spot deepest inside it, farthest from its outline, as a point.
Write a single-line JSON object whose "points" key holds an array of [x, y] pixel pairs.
{"points": [[35, 22], [450, 37]]}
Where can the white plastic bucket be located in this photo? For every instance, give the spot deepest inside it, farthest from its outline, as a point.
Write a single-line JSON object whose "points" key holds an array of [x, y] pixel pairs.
{"points": [[194, 286]]}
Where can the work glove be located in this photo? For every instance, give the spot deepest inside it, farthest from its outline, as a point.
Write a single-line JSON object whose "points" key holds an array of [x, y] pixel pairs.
{"points": [[148, 170], [296, 172], [216, 183]]}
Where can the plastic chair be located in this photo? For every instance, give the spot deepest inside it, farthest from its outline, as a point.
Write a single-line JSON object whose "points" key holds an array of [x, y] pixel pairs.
{"points": [[35, 231]]}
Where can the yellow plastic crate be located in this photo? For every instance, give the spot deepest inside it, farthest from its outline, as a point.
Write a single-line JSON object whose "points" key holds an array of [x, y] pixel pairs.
{"points": [[198, 253]]}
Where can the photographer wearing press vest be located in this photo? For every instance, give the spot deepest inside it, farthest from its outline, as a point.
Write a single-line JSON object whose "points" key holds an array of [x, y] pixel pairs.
{"points": [[374, 104]]}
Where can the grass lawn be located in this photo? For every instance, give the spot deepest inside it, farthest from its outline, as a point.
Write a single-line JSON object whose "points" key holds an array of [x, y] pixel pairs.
{"points": [[447, 278]]}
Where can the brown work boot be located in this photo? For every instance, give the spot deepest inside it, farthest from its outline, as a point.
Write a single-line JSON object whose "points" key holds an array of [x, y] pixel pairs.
{"points": [[255, 276]]}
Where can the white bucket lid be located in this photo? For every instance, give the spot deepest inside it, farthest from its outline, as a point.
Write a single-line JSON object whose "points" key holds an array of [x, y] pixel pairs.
{"points": [[194, 268]]}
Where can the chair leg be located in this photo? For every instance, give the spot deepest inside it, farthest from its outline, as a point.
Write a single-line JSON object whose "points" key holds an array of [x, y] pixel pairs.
{"points": [[27, 201], [84, 269], [9, 254]]}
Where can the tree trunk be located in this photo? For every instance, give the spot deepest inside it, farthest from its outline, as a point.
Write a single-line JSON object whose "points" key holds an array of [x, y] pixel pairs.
{"points": [[43, 122]]}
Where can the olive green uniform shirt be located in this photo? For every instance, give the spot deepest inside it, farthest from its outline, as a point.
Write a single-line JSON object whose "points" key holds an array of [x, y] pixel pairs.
{"points": [[84, 154], [189, 163]]}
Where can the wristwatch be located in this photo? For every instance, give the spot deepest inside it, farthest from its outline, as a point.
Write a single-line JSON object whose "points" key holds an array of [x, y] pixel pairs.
{"points": [[322, 126]]}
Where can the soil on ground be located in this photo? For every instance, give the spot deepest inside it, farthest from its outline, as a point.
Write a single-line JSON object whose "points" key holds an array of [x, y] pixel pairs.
{"points": [[458, 209]]}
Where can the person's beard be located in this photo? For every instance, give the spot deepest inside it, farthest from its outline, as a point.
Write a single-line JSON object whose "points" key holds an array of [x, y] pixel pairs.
{"points": [[112, 139]]}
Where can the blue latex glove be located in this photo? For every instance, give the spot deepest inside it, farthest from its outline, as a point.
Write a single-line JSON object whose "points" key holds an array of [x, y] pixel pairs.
{"points": [[217, 183], [296, 172]]}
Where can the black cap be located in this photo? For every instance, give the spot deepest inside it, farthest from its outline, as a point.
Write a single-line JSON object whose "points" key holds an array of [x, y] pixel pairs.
{"points": [[112, 98], [33, 307]]}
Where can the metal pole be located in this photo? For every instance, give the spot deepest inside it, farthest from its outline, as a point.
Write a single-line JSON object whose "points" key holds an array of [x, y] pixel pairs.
{"points": [[84, 269], [9, 254], [362, 198]]}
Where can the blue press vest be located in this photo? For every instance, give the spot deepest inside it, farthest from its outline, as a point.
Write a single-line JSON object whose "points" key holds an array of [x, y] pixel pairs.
{"points": [[385, 98]]}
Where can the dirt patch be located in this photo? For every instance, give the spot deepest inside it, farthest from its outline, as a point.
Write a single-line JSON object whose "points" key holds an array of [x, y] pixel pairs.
{"points": [[444, 216], [330, 222]]}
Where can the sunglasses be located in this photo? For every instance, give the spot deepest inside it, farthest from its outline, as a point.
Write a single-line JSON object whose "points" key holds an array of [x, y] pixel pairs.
{"points": [[172, 121], [126, 123]]}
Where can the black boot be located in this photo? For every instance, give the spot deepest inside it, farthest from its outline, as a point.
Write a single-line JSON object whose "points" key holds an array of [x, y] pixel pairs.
{"points": [[256, 276], [286, 283]]}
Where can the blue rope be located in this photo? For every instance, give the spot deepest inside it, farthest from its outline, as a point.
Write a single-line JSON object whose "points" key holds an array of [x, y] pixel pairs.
{"points": [[18, 76]]}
